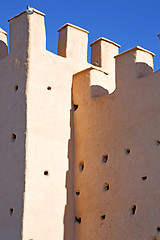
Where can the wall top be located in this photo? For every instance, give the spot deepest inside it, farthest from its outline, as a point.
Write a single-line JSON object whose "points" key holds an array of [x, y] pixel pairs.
{"points": [[34, 11], [106, 40], [135, 49], [89, 69], [2, 31], [73, 26]]}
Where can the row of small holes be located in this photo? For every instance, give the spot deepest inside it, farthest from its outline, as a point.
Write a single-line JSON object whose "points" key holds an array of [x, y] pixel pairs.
{"points": [[133, 211], [79, 219], [106, 185], [128, 150], [105, 159], [106, 188], [13, 138], [16, 88]]}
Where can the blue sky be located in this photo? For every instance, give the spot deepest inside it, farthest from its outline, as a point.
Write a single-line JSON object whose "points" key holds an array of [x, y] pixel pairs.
{"points": [[128, 23]]}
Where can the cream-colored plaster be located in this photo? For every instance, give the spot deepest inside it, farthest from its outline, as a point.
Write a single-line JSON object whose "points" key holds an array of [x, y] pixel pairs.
{"points": [[48, 200], [103, 52], [73, 43], [64, 113]]}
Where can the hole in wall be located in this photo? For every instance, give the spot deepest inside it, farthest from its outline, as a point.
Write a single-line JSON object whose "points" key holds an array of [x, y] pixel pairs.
{"points": [[127, 151], [144, 178], [49, 88], [78, 219], [158, 229], [103, 217], [133, 209], [106, 186], [154, 238], [105, 158], [46, 173], [81, 166], [75, 107], [11, 211], [158, 141], [13, 137], [16, 87], [77, 192]]}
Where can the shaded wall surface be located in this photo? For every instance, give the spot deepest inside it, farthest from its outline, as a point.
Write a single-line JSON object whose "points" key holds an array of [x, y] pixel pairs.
{"points": [[79, 151], [117, 152]]}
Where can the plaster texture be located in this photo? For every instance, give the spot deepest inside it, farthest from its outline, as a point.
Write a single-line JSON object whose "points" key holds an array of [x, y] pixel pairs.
{"points": [[117, 141], [74, 143]]}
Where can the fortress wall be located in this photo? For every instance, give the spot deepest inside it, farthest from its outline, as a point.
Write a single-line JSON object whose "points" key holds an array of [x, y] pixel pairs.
{"points": [[48, 194], [48, 173], [35, 105], [79, 142], [116, 142]]}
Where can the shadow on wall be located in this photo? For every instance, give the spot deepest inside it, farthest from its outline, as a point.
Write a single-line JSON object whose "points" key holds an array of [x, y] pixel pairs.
{"points": [[69, 216], [3, 49], [98, 91], [143, 69], [69, 224], [12, 154]]}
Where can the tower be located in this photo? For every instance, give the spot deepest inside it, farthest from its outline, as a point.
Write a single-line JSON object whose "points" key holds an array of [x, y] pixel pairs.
{"points": [[79, 142]]}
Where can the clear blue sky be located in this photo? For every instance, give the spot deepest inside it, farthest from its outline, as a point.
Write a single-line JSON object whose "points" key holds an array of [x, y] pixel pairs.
{"points": [[128, 23]]}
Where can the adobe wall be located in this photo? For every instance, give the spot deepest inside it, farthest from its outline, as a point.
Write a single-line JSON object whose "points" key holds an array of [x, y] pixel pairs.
{"points": [[37, 136], [117, 152], [35, 174], [66, 130], [48, 203]]}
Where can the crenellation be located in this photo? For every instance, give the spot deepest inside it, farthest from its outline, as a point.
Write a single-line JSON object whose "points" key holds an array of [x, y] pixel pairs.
{"points": [[103, 52], [79, 141], [27, 31], [132, 64], [3, 44], [18, 35], [73, 42]]}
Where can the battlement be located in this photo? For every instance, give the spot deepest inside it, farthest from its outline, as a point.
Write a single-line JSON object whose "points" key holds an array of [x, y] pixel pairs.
{"points": [[27, 35], [79, 141], [27, 30]]}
